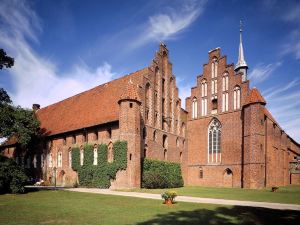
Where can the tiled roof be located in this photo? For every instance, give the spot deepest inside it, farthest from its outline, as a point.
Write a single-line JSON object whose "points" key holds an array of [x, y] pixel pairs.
{"points": [[96, 106], [255, 97], [130, 92]]}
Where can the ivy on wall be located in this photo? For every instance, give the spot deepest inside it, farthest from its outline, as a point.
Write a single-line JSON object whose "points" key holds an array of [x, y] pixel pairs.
{"points": [[99, 175]]}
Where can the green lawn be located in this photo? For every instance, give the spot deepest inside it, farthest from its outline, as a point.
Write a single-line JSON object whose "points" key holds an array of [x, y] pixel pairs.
{"points": [[63, 207], [288, 194]]}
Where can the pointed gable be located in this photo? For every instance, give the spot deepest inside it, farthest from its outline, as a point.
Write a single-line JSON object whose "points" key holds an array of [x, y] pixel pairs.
{"points": [[255, 97]]}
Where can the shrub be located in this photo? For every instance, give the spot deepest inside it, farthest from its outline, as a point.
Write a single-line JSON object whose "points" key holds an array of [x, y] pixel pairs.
{"points": [[12, 176], [161, 174]]}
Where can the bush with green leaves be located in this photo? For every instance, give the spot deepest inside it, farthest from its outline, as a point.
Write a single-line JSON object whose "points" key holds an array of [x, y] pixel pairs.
{"points": [[12, 176], [161, 174], [99, 175]]}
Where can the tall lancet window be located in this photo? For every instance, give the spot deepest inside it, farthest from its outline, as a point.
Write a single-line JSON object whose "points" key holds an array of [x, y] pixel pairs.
{"points": [[214, 142], [59, 159], [214, 68], [194, 108], [81, 157], [95, 156], [225, 92], [225, 82], [236, 98], [204, 98]]}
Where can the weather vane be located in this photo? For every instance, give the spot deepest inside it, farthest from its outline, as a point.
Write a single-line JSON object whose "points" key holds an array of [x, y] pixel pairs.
{"points": [[241, 25]]}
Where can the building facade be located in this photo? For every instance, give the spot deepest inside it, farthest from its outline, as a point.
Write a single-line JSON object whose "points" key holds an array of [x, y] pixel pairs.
{"points": [[225, 137]]}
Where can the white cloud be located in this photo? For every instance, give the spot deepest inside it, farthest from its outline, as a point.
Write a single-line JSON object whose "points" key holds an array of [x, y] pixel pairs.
{"points": [[262, 72], [283, 102], [35, 78], [167, 25]]}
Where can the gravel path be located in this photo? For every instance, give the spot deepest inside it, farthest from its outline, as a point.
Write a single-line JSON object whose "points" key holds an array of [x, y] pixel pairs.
{"points": [[190, 199]]}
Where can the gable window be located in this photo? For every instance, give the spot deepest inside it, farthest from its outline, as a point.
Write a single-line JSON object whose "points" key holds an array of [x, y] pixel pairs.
{"points": [[225, 82], [194, 108], [214, 68], [236, 98], [214, 142], [95, 156], [214, 104], [214, 87], [204, 107], [225, 102], [203, 88]]}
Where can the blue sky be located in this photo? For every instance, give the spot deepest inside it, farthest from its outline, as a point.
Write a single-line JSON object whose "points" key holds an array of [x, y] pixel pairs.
{"points": [[64, 47]]}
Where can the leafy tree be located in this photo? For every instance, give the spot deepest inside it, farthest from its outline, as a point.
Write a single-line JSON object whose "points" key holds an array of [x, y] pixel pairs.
{"points": [[5, 60], [12, 176], [17, 121]]}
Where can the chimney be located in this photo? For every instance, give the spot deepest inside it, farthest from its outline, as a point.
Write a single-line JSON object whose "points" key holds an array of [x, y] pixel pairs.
{"points": [[35, 107]]}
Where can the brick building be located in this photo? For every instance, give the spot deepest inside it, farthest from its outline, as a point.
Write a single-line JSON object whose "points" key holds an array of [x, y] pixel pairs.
{"points": [[225, 137]]}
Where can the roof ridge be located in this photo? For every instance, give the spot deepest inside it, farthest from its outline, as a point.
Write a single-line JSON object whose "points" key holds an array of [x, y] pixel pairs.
{"points": [[100, 85]]}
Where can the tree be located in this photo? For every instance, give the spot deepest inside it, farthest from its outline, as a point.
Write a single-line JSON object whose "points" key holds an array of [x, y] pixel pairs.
{"points": [[17, 121], [5, 60]]}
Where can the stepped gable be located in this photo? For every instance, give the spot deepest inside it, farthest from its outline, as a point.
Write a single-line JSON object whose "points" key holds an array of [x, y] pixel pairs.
{"points": [[255, 97], [93, 107]]}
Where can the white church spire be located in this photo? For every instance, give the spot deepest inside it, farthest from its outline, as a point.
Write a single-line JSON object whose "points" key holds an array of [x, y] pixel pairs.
{"points": [[241, 66]]}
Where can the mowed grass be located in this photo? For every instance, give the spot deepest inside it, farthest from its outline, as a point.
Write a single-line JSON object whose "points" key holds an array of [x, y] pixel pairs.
{"points": [[287, 194], [63, 207]]}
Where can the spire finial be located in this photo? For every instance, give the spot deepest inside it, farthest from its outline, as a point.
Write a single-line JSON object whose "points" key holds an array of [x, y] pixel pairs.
{"points": [[241, 65]]}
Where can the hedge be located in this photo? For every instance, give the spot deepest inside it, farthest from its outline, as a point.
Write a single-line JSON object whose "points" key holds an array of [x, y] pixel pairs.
{"points": [[12, 176], [161, 174], [99, 175]]}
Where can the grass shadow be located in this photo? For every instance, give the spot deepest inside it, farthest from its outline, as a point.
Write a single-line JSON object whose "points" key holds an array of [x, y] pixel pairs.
{"points": [[228, 216]]}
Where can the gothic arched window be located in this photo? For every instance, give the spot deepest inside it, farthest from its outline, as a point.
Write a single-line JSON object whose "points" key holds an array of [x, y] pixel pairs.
{"points": [[59, 159], [194, 108], [214, 141]]}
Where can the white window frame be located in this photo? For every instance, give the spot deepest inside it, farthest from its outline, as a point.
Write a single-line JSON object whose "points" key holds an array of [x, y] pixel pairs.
{"points": [[236, 98], [95, 151], [194, 108], [81, 157]]}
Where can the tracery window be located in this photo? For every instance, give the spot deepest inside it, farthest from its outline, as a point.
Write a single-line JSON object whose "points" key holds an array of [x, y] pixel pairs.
{"points": [[214, 142]]}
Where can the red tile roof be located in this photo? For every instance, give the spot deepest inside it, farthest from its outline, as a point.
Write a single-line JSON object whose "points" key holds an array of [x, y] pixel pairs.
{"points": [[96, 106], [255, 97]]}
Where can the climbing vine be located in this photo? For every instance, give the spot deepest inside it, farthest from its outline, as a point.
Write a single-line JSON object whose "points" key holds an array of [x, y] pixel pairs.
{"points": [[99, 175]]}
